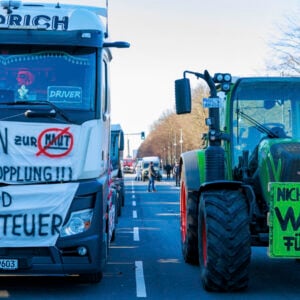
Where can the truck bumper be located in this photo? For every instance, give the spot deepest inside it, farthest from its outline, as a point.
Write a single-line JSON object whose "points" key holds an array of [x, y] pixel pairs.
{"points": [[83, 253], [58, 261]]}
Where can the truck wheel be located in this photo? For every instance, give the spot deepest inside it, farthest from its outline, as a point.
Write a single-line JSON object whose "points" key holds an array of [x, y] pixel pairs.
{"points": [[189, 225], [224, 240], [90, 278], [115, 202], [123, 197], [119, 201], [113, 236]]}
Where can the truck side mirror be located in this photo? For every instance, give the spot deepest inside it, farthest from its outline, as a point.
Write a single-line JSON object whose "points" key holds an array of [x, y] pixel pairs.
{"points": [[121, 146], [183, 97]]}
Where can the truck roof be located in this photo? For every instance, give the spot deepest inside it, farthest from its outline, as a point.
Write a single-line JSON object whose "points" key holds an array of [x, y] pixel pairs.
{"points": [[101, 11], [41, 15], [115, 127], [151, 158]]}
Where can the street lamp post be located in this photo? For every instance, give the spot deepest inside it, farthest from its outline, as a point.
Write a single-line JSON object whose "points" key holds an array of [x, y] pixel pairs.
{"points": [[128, 148], [175, 145], [181, 141]]}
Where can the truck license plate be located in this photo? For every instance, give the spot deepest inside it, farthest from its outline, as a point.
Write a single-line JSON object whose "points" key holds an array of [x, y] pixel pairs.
{"points": [[8, 264]]}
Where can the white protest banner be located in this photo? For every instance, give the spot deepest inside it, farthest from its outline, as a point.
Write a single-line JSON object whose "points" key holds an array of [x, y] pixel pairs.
{"points": [[33, 215], [39, 152]]}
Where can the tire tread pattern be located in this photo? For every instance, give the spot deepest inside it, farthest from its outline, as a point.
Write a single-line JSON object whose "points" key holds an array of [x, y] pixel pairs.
{"points": [[228, 240]]}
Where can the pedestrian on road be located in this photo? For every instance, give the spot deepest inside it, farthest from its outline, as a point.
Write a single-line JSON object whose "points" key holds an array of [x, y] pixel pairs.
{"points": [[176, 174], [138, 171], [152, 176], [168, 170]]}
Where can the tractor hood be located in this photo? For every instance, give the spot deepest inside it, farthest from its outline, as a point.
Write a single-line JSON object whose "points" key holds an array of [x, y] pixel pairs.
{"points": [[278, 161]]}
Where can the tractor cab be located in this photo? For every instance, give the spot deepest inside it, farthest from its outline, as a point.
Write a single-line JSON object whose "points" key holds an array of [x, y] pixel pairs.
{"points": [[265, 135], [263, 108]]}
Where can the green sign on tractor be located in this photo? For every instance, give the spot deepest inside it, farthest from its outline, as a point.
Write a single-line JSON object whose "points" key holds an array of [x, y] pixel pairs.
{"points": [[285, 220]]}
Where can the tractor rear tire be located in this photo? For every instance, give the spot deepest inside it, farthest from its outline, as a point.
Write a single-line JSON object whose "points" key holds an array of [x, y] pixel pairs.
{"points": [[224, 240], [189, 225]]}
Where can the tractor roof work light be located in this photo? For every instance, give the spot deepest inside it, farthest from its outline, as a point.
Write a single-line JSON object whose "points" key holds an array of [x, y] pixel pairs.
{"points": [[224, 79], [218, 77], [225, 86], [227, 77]]}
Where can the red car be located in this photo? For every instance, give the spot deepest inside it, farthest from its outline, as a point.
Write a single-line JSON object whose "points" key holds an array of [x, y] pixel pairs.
{"points": [[128, 165]]}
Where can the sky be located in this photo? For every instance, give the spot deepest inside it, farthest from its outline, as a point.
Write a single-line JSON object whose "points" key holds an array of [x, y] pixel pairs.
{"points": [[168, 37]]}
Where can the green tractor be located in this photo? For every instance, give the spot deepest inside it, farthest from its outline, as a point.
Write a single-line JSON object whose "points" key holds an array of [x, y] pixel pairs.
{"points": [[242, 189]]}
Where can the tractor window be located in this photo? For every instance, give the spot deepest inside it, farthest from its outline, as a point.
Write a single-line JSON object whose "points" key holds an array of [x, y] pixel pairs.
{"points": [[247, 131], [64, 76], [274, 105]]}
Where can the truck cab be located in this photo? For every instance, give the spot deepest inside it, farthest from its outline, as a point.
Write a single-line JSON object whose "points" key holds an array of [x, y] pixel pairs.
{"points": [[116, 156], [54, 139]]}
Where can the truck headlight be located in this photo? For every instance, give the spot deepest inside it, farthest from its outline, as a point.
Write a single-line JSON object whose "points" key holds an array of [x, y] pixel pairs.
{"points": [[79, 221]]}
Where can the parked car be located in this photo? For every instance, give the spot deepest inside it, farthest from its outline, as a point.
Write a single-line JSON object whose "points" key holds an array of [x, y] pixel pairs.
{"points": [[128, 165]]}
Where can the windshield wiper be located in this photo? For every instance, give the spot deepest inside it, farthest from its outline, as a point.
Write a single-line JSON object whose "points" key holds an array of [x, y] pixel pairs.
{"points": [[258, 125], [43, 102], [40, 114]]}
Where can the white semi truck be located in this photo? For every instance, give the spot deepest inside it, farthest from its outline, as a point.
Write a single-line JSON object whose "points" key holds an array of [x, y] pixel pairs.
{"points": [[54, 139], [116, 157]]}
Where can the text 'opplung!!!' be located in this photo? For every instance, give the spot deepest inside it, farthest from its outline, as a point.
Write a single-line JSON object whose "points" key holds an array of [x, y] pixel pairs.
{"points": [[35, 174]]}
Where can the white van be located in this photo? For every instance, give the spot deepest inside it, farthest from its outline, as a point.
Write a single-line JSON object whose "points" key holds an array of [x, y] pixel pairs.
{"points": [[145, 165]]}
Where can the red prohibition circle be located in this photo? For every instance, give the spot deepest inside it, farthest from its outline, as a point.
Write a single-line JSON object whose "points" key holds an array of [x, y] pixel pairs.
{"points": [[43, 149]]}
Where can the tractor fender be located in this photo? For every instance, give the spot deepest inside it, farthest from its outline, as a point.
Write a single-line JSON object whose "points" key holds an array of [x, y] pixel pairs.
{"points": [[190, 181], [191, 164], [247, 190]]}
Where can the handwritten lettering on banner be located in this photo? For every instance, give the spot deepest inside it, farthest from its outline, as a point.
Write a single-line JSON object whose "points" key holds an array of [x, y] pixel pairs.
{"points": [[285, 219], [35, 174], [56, 139], [31, 216], [46, 155]]}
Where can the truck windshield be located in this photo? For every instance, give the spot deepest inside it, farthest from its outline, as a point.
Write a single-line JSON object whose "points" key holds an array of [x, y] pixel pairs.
{"points": [[64, 76], [265, 107]]}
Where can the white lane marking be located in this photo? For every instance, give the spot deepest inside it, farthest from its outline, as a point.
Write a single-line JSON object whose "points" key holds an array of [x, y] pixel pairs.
{"points": [[133, 203], [134, 214], [136, 234], [133, 196], [140, 281]]}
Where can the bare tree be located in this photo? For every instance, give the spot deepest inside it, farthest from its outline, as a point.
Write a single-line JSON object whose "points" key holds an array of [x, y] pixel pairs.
{"points": [[173, 134], [285, 49]]}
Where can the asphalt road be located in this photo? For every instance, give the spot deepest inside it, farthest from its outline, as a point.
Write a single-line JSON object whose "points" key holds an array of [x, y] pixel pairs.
{"points": [[145, 260]]}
